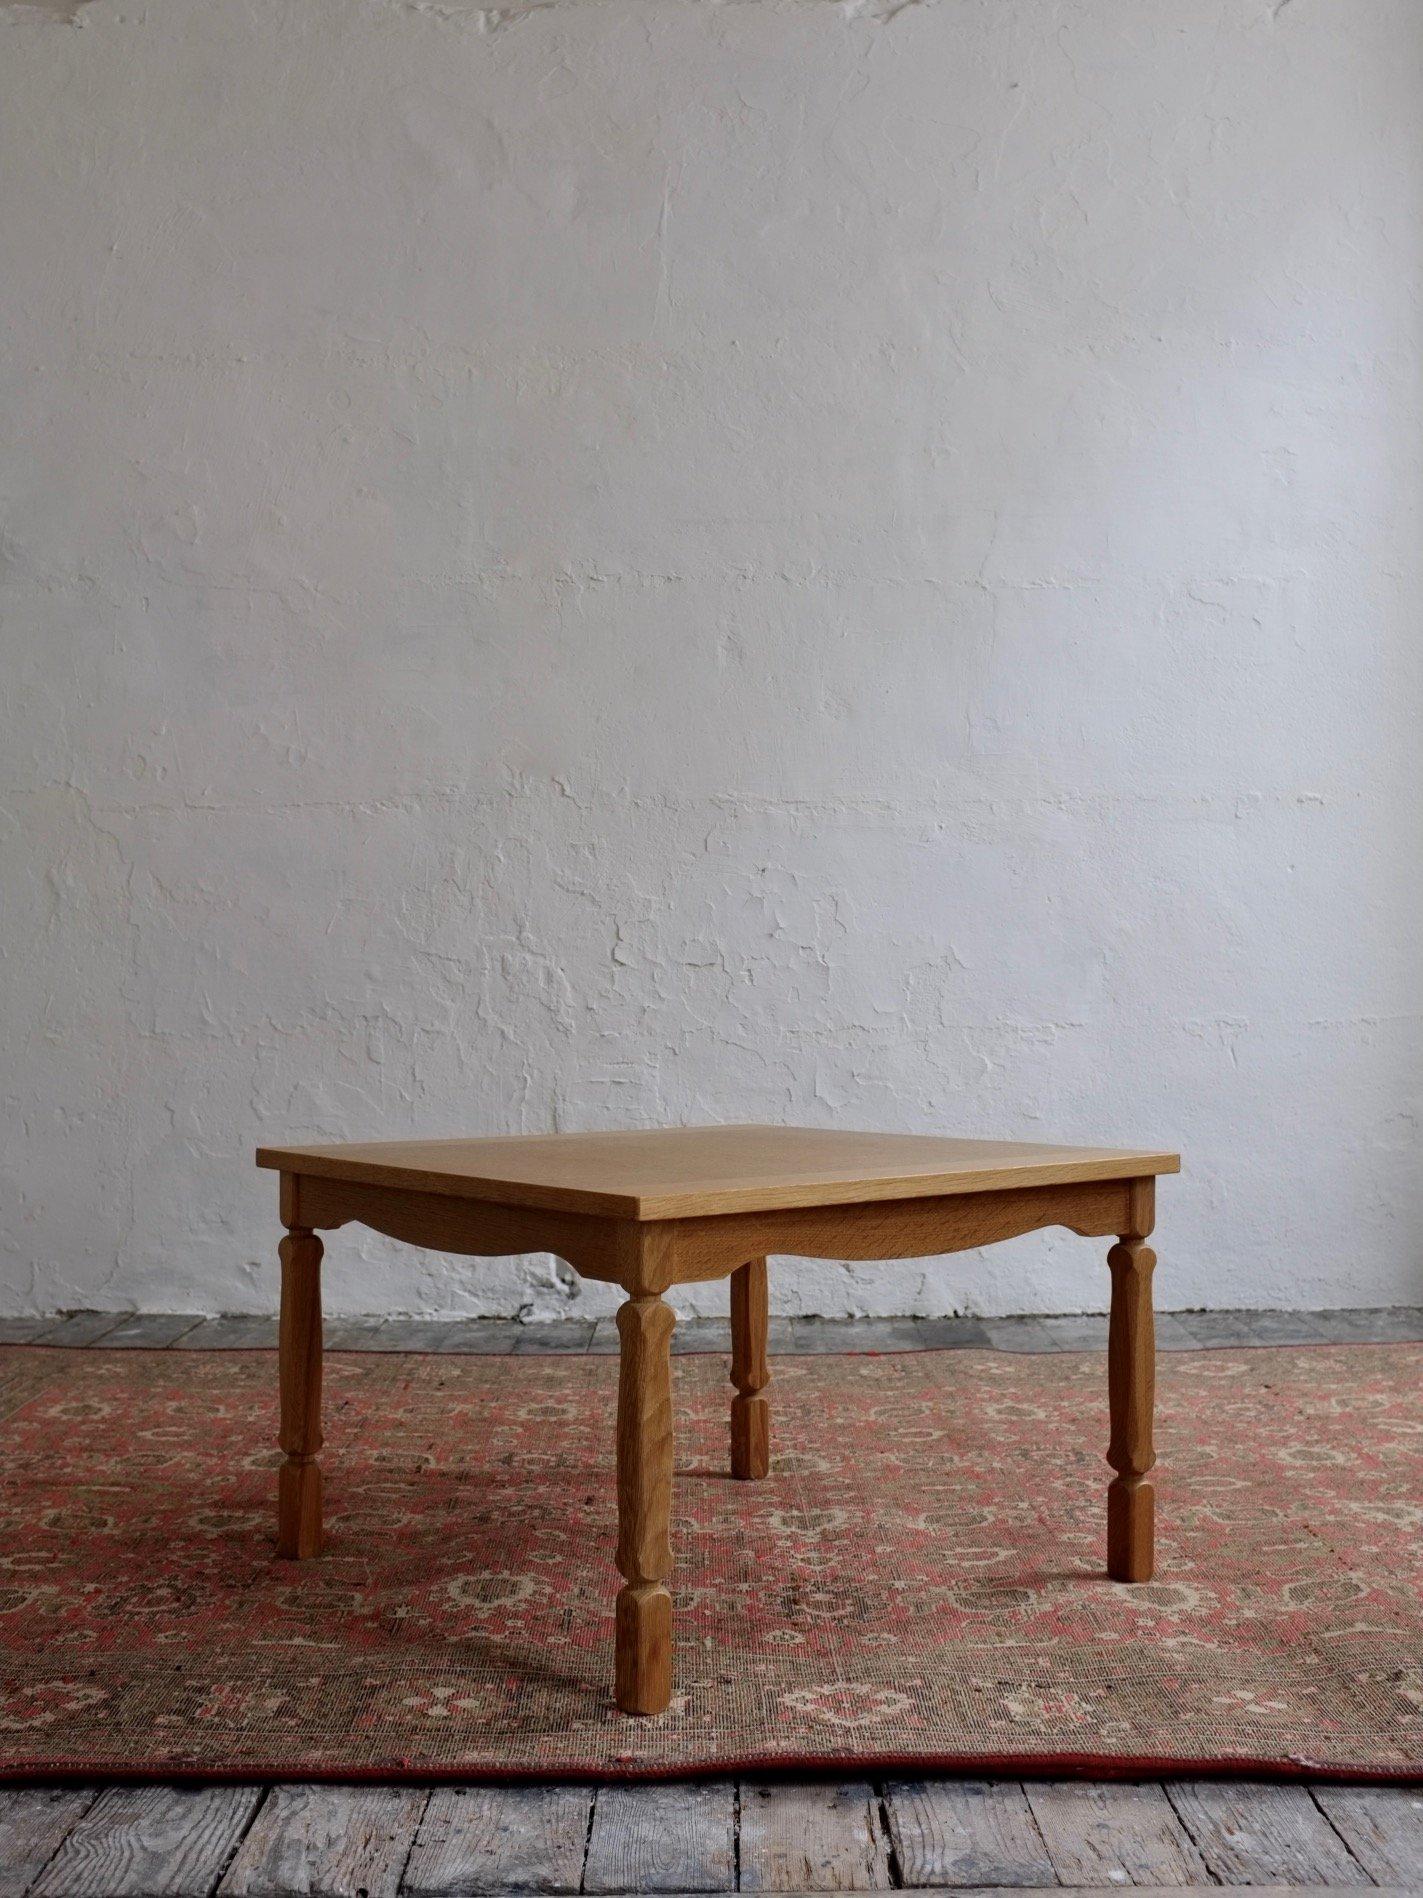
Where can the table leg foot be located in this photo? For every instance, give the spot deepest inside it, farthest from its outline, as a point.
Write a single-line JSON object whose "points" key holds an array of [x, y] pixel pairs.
{"points": [[750, 1437], [750, 1409], [299, 1509], [643, 1660], [1131, 1385], [643, 1667], [299, 1354], [1131, 1514]]}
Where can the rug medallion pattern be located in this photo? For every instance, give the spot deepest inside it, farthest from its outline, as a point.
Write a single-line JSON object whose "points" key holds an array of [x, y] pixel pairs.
{"points": [[919, 1583]]}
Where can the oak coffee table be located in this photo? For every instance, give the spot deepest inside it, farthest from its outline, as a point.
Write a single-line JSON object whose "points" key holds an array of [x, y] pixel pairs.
{"points": [[651, 1210]]}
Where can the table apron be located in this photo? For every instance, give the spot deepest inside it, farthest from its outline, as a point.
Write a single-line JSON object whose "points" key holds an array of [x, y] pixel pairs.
{"points": [[649, 1256]]}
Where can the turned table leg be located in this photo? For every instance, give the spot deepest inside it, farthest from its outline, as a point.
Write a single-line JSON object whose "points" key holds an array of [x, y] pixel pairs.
{"points": [[299, 1349], [1131, 1387], [643, 1664], [750, 1410]]}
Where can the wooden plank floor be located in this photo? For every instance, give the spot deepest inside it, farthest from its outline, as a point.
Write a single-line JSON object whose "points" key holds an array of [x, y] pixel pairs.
{"points": [[726, 1835]]}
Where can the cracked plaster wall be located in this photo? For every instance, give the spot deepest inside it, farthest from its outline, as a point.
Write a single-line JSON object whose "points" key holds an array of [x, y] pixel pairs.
{"points": [[622, 560]]}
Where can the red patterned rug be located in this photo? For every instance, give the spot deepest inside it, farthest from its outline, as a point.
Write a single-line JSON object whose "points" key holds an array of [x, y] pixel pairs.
{"points": [[919, 1584]]}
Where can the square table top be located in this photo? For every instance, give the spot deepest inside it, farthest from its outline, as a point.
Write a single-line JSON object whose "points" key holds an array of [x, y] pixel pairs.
{"points": [[686, 1172]]}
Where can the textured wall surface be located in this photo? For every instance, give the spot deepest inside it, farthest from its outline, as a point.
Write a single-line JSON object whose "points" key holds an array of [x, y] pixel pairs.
{"points": [[619, 560]]}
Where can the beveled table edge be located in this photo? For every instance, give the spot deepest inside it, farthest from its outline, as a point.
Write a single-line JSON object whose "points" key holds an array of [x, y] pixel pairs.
{"points": [[709, 1200]]}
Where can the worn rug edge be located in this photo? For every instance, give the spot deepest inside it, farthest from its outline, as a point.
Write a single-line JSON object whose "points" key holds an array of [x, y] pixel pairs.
{"points": [[833, 1766]]}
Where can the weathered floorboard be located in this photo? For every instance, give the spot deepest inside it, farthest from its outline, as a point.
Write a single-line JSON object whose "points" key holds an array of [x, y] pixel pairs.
{"points": [[658, 1838], [812, 1836], [1255, 1833], [149, 1842], [34, 1822], [479, 1839], [327, 1842], [1140, 1891], [1114, 1834], [959, 1833], [1382, 1826]]}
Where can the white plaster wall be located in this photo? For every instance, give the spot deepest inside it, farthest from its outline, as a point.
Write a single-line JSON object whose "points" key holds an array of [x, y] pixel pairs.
{"points": [[638, 560]]}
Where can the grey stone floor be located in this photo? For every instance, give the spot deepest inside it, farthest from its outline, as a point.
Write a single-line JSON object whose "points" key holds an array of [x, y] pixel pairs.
{"points": [[1175, 1331]]}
